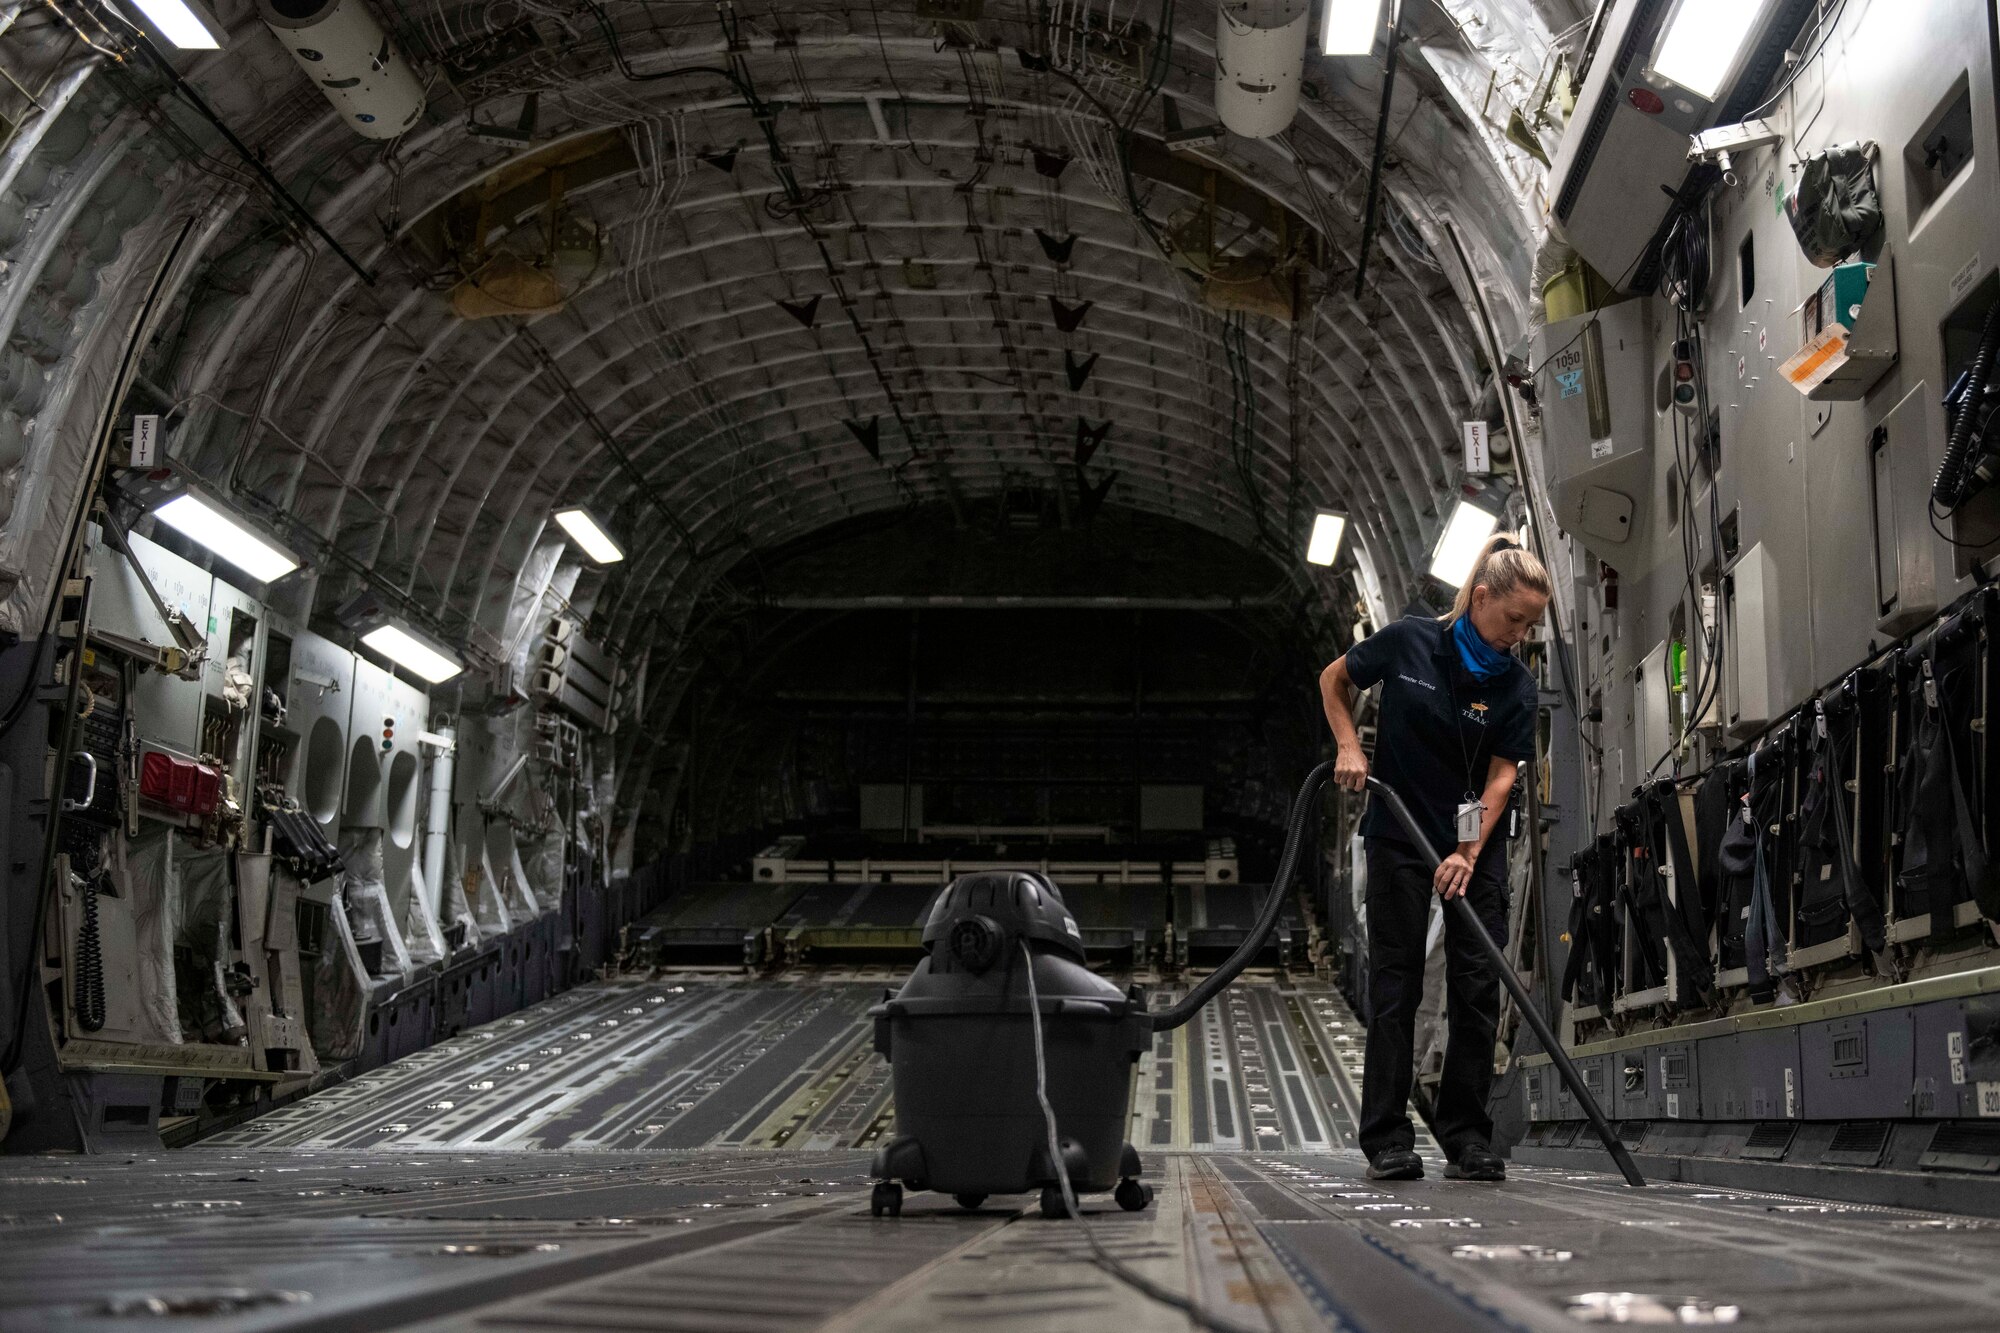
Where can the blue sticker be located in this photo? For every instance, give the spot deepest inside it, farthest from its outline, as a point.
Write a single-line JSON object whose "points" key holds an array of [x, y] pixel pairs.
{"points": [[1571, 382]]}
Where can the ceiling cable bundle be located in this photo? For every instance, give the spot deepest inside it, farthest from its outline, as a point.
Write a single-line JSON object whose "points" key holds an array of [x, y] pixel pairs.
{"points": [[1684, 261]]}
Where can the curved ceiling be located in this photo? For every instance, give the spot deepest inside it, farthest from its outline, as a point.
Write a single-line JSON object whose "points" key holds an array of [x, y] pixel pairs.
{"points": [[895, 168]]}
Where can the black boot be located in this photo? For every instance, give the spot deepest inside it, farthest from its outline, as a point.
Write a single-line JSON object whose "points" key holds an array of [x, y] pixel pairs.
{"points": [[1396, 1164], [1476, 1161]]}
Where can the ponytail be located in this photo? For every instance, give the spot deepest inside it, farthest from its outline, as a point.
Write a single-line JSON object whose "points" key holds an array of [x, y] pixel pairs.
{"points": [[1503, 566]]}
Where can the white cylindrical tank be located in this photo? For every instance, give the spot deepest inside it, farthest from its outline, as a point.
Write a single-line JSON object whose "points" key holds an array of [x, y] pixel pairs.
{"points": [[344, 51], [1260, 52], [437, 820]]}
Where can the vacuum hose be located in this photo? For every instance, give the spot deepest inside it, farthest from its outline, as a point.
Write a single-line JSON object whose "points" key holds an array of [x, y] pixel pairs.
{"points": [[1469, 919], [1954, 474], [1267, 921]]}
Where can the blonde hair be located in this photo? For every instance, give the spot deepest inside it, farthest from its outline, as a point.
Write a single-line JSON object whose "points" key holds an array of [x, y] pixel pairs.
{"points": [[1504, 566]]}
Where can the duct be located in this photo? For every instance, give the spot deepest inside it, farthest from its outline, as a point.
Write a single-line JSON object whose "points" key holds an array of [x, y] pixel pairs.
{"points": [[343, 50]]}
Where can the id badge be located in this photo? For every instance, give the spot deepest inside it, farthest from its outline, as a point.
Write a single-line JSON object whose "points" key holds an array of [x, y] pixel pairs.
{"points": [[1469, 813]]}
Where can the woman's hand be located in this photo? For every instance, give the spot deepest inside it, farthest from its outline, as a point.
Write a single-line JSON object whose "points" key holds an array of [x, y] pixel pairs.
{"points": [[1453, 874], [1350, 768]]}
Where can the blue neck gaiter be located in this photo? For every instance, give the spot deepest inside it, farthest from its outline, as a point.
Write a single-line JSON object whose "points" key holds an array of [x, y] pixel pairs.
{"points": [[1480, 658]]}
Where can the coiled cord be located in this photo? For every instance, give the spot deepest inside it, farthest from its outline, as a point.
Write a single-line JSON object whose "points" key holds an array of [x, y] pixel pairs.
{"points": [[1684, 262], [1954, 474], [89, 962]]}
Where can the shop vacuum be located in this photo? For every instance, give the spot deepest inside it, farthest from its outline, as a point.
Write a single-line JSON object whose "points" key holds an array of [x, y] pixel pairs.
{"points": [[1007, 1052]]}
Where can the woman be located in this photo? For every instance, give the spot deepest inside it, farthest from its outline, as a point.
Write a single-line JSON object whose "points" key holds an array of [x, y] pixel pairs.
{"points": [[1457, 720]]}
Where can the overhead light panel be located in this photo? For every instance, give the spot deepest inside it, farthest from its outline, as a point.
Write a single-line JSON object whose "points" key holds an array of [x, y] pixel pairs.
{"points": [[1703, 38], [1351, 27], [185, 23], [407, 650], [585, 532], [1468, 530], [207, 522], [1324, 545]]}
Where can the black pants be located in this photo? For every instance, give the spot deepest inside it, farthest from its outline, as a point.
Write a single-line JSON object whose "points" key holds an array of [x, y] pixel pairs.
{"points": [[1399, 903]]}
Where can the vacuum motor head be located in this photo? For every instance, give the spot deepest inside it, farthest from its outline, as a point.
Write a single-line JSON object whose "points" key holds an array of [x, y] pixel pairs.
{"points": [[978, 917]]}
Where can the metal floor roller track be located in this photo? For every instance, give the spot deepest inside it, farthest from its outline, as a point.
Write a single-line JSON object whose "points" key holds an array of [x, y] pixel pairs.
{"points": [[691, 1154]]}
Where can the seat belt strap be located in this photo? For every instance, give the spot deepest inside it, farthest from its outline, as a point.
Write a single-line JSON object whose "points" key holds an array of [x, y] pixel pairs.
{"points": [[1764, 942], [1579, 915], [1972, 849], [1862, 905], [1689, 950]]}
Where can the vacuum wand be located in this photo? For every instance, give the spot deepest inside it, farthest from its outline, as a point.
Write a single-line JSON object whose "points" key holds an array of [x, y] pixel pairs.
{"points": [[1540, 1026]]}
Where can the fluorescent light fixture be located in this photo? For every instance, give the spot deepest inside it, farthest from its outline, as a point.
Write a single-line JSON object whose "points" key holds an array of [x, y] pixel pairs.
{"points": [[405, 649], [185, 23], [1351, 27], [585, 532], [1324, 545], [208, 523], [1467, 531], [1703, 39]]}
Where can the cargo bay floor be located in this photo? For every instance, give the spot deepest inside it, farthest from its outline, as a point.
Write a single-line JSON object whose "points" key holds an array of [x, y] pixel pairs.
{"points": [[691, 1153]]}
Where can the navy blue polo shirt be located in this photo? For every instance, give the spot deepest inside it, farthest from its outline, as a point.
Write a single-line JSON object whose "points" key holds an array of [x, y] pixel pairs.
{"points": [[1438, 726]]}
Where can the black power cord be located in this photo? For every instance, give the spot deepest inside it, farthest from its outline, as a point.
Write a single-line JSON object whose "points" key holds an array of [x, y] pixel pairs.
{"points": [[1684, 260], [89, 983], [1102, 1257], [1958, 472]]}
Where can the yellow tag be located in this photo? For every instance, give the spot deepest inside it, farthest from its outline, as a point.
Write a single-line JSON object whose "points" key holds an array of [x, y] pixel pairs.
{"points": [[89, 657]]}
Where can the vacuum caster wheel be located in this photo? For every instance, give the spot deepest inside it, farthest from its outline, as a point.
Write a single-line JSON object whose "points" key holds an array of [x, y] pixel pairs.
{"points": [[1132, 1196], [1052, 1202], [968, 1201], [887, 1198]]}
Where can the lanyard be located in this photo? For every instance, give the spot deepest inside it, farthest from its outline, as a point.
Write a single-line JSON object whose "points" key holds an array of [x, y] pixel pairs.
{"points": [[1458, 728]]}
